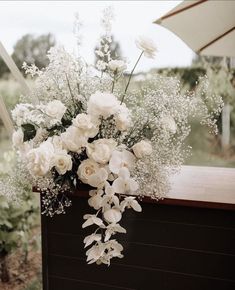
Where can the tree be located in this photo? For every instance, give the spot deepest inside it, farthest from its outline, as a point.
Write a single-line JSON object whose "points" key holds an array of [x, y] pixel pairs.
{"points": [[33, 49], [3, 68]]}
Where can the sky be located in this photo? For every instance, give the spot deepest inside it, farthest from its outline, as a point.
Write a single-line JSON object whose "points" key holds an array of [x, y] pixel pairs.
{"points": [[132, 19]]}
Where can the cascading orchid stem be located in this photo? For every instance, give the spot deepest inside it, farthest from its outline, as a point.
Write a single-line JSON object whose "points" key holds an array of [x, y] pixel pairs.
{"points": [[130, 76]]}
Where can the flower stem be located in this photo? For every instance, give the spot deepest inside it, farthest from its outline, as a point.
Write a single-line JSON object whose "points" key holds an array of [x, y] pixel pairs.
{"points": [[130, 76]]}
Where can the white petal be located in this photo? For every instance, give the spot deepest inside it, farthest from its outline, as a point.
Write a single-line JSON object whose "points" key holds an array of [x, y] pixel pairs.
{"points": [[119, 185], [136, 206], [124, 173]]}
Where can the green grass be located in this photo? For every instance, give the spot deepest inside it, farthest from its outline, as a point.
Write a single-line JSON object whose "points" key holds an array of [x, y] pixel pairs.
{"points": [[35, 284]]}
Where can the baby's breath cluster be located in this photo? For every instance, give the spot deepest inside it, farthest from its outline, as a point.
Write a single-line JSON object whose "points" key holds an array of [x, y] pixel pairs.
{"points": [[86, 128]]}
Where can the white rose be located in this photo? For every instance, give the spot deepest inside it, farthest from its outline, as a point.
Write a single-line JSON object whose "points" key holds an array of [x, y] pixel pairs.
{"points": [[142, 149], [85, 124], [18, 138], [55, 109], [117, 66], [168, 123], [98, 179], [86, 169], [62, 162], [40, 159], [147, 46], [123, 118], [102, 104], [73, 140], [120, 159], [101, 150]]}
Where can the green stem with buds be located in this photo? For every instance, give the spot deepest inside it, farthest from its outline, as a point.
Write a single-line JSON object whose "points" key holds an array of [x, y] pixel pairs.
{"points": [[130, 76]]}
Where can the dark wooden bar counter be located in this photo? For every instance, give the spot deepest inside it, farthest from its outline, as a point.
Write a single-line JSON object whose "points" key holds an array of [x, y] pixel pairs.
{"points": [[185, 242]]}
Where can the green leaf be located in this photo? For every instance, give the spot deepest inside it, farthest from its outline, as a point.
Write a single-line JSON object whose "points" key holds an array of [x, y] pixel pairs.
{"points": [[29, 131]]}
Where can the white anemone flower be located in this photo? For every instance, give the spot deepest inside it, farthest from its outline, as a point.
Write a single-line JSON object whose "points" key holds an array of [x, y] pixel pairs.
{"points": [[130, 202], [120, 159], [111, 229], [91, 239], [92, 219], [124, 184], [147, 46]]}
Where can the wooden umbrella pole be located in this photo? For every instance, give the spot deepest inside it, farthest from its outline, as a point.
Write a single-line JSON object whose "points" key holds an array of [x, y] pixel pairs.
{"points": [[4, 115], [14, 69]]}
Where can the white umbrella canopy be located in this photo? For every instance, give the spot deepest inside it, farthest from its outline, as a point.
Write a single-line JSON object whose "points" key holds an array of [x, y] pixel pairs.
{"points": [[206, 26]]}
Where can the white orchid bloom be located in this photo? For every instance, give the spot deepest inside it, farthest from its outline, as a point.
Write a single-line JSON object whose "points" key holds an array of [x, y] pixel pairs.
{"points": [[92, 219], [124, 184], [112, 215], [95, 252], [91, 239], [130, 202], [114, 248], [109, 198], [111, 229], [120, 159], [96, 198]]}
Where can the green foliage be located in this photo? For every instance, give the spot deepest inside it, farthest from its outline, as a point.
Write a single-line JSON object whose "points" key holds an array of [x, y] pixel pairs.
{"points": [[31, 49], [29, 131], [17, 217]]}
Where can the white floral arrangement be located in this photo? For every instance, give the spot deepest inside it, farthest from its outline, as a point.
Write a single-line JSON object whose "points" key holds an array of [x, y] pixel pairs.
{"points": [[88, 126]]}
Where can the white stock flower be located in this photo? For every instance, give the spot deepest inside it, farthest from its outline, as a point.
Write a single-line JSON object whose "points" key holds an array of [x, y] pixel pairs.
{"points": [[120, 159], [168, 124], [18, 138], [123, 118], [62, 162], [73, 140], [85, 124], [124, 184], [117, 66], [91, 239], [147, 46], [92, 219], [111, 229], [112, 215], [55, 109], [39, 160], [100, 150], [142, 148], [102, 104], [86, 169], [98, 179], [130, 202]]}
